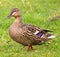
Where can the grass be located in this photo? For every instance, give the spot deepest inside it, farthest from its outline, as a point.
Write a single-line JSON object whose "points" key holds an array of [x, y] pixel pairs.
{"points": [[36, 12]]}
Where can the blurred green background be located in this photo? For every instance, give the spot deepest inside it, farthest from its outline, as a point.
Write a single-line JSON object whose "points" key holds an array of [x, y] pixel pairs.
{"points": [[36, 12]]}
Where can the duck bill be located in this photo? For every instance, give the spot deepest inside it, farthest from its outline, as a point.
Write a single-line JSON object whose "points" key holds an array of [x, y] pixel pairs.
{"points": [[9, 16]]}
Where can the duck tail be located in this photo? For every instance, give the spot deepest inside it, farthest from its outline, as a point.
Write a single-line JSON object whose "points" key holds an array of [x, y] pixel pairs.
{"points": [[51, 36]]}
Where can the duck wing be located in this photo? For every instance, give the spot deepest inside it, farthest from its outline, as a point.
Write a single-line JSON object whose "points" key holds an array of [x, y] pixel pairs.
{"points": [[33, 29], [34, 33]]}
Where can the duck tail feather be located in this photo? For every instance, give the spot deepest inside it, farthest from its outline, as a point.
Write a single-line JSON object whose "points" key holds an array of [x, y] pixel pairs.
{"points": [[52, 36]]}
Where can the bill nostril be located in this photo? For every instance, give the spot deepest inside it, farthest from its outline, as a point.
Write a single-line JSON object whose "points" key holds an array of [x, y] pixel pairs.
{"points": [[9, 16]]}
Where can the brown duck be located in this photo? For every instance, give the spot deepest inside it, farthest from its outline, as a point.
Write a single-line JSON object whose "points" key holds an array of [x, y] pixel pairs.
{"points": [[27, 34]]}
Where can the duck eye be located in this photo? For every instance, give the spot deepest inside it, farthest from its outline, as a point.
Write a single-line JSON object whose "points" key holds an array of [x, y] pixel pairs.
{"points": [[13, 13]]}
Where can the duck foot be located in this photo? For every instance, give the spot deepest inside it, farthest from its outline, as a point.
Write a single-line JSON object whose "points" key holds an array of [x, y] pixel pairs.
{"points": [[29, 48]]}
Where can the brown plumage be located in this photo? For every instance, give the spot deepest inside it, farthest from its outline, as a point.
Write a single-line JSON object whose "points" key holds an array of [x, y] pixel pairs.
{"points": [[26, 34]]}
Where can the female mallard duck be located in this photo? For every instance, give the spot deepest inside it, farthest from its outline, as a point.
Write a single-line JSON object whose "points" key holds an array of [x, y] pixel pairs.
{"points": [[26, 34]]}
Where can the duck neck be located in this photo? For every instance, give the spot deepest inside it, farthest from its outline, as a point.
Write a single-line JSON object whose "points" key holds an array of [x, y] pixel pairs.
{"points": [[18, 21]]}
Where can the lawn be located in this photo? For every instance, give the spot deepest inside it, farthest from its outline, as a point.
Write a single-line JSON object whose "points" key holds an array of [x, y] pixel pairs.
{"points": [[36, 12]]}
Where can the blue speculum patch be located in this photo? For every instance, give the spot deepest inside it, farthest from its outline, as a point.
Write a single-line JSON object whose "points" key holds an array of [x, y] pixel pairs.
{"points": [[39, 34]]}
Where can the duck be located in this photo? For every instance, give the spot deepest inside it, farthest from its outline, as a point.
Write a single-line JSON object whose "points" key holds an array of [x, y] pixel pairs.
{"points": [[27, 34]]}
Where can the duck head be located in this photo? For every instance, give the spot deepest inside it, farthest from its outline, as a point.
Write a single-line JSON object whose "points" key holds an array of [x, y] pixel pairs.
{"points": [[14, 13]]}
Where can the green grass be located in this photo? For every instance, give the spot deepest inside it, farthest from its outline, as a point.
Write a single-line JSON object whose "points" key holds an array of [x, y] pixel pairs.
{"points": [[36, 12]]}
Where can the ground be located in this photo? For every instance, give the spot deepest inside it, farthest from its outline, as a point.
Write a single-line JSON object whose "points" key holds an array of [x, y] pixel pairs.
{"points": [[36, 12]]}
